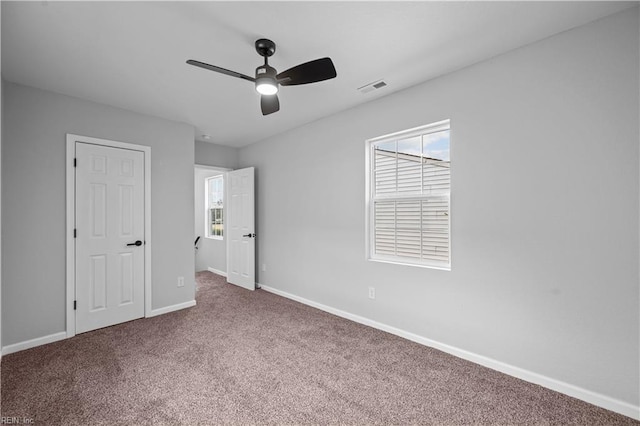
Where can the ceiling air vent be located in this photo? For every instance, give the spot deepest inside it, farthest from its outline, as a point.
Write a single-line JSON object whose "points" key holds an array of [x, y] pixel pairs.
{"points": [[372, 86]]}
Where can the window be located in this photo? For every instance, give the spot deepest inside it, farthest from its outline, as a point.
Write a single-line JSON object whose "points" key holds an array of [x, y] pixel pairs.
{"points": [[408, 193], [214, 205]]}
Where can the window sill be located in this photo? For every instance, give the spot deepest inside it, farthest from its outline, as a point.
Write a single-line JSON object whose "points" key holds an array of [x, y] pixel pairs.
{"points": [[419, 265], [215, 238]]}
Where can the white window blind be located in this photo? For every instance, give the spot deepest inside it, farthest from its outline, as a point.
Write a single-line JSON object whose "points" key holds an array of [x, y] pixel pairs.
{"points": [[409, 192]]}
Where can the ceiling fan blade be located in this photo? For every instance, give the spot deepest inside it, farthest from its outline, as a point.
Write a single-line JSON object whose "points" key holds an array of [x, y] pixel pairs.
{"points": [[269, 104], [309, 72], [220, 70]]}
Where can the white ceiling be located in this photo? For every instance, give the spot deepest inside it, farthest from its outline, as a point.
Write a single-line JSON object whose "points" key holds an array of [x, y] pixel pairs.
{"points": [[132, 54]]}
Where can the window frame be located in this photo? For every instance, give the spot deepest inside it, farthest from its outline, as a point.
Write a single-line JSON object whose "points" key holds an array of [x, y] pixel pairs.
{"points": [[371, 197], [207, 212]]}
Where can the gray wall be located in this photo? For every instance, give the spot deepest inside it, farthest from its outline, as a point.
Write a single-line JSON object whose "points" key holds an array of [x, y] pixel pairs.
{"points": [[545, 193], [211, 253], [209, 154], [35, 123]]}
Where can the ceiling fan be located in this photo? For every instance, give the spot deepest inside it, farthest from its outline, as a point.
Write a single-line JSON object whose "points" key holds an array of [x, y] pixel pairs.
{"points": [[267, 79]]}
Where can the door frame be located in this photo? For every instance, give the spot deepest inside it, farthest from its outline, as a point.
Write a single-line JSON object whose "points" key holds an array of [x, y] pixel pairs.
{"points": [[71, 220]]}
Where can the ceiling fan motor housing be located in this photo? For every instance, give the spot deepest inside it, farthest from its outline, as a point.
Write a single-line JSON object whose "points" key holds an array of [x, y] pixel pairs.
{"points": [[266, 82]]}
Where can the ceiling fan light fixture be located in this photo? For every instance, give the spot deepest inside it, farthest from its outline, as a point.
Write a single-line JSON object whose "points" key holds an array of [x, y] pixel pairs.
{"points": [[266, 83], [266, 86], [267, 80]]}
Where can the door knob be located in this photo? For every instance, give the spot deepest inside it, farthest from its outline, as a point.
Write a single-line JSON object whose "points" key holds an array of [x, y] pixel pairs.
{"points": [[250, 235], [137, 243]]}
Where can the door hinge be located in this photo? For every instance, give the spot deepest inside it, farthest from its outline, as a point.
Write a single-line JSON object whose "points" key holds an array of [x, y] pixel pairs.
{"points": [[75, 162], [75, 233], [75, 305]]}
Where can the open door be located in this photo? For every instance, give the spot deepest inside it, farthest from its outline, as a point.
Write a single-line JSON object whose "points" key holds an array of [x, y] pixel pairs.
{"points": [[241, 237]]}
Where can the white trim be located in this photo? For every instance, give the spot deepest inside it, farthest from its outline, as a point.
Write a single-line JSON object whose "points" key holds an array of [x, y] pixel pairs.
{"points": [[71, 247], [438, 126], [39, 341], [71, 202], [217, 271], [172, 308], [404, 262], [367, 200], [216, 168], [586, 395]]}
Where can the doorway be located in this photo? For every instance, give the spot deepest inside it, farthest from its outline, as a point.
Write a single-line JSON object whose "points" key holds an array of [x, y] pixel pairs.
{"points": [[209, 222], [225, 224]]}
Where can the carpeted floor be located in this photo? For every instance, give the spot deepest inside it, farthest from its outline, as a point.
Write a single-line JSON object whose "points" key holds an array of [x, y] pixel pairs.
{"points": [[243, 357]]}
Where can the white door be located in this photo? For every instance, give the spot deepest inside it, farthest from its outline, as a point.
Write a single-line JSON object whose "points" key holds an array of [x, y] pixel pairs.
{"points": [[109, 216], [240, 229]]}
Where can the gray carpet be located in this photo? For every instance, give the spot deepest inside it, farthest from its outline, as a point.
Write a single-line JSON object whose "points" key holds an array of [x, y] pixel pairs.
{"points": [[243, 357]]}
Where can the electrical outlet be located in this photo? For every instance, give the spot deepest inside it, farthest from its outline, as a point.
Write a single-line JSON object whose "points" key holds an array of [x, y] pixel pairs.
{"points": [[264, 267], [180, 281], [372, 292]]}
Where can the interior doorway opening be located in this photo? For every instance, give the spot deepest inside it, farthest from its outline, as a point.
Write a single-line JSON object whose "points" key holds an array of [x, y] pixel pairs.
{"points": [[210, 242]]}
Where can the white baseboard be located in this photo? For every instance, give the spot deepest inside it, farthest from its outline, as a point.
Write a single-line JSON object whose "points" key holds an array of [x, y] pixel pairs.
{"points": [[216, 271], [17, 347], [586, 395], [172, 308]]}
